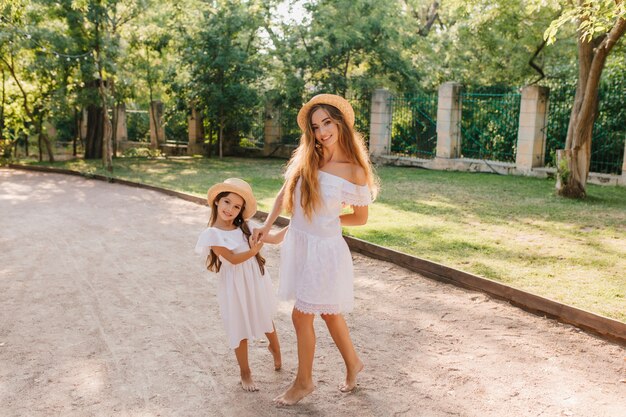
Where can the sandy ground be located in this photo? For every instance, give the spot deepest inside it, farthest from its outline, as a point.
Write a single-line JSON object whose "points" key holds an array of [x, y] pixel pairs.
{"points": [[107, 311]]}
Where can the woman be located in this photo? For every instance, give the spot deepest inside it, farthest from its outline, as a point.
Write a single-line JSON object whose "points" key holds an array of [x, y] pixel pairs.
{"points": [[329, 170]]}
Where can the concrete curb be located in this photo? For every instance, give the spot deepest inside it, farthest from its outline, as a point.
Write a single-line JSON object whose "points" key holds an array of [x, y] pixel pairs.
{"points": [[607, 328]]}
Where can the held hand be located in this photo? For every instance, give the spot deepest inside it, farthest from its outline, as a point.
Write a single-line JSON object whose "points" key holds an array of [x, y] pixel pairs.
{"points": [[259, 234], [256, 245]]}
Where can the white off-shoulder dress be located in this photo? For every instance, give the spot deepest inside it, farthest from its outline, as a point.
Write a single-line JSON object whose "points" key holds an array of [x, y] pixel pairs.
{"points": [[315, 263], [246, 298]]}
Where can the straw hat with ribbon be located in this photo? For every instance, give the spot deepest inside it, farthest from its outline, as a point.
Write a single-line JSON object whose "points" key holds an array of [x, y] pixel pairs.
{"points": [[239, 187], [336, 101]]}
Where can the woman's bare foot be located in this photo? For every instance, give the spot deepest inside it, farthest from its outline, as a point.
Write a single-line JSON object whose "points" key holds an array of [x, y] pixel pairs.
{"points": [[350, 384], [278, 363], [247, 383], [294, 394]]}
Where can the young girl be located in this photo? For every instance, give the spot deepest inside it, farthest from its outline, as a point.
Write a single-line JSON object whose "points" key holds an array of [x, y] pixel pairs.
{"points": [[330, 169], [245, 293]]}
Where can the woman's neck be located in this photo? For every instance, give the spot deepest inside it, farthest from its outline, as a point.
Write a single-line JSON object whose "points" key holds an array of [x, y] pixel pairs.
{"points": [[333, 154]]}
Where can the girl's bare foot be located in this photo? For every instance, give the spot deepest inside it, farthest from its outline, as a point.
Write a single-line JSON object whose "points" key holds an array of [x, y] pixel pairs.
{"points": [[278, 363], [247, 383], [350, 384], [294, 394]]}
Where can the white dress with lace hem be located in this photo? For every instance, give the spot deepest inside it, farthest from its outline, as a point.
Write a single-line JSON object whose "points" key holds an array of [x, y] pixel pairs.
{"points": [[315, 264], [246, 298]]}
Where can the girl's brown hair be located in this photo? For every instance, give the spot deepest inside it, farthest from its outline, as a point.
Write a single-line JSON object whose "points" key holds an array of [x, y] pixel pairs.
{"points": [[213, 262], [308, 158]]}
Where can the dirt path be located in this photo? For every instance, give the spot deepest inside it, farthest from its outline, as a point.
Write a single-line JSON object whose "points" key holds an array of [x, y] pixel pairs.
{"points": [[106, 311]]}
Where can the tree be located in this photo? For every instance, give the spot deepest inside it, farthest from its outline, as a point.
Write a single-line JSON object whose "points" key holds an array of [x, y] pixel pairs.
{"points": [[600, 25], [484, 42], [96, 25], [225, 67], [37, 76]]}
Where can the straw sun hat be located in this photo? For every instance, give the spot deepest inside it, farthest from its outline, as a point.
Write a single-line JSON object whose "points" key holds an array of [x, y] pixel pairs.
{"points": [[336, 101], [239, 187]]}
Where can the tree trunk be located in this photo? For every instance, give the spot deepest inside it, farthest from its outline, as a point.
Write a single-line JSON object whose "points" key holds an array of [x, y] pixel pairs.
{"points": [[2, 106], [221, 140], [44, 138], [95, 129], [114, 122], [210, 137], [574, 167], [76, 134], [107, 149]]}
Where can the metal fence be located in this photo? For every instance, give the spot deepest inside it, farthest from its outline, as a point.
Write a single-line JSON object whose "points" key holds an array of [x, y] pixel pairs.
{"points": [[290, 131], [559, 110], [176, 126], [489, 125], [609, 129], [138, 125], [362, 105], [414, 125]]}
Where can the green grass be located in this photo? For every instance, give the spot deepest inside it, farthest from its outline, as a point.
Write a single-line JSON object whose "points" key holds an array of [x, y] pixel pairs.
{"points": [[506, 228]]}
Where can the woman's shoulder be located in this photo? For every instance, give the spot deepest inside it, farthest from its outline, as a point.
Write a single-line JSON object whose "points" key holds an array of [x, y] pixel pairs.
{"points": [[348, 171], [359, 175]]}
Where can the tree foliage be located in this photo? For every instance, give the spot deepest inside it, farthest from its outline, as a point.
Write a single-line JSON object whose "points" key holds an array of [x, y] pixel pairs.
{"points": [[227, 58]]}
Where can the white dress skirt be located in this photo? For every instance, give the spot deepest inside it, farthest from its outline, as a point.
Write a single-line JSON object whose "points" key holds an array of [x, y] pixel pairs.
{"points": [[315, 262], [246, 298]]}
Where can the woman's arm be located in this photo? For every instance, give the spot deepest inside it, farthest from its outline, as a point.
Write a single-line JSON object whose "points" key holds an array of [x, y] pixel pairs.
{"points": [[358, 217], [237, 258], [260, 233], [275, 238]]}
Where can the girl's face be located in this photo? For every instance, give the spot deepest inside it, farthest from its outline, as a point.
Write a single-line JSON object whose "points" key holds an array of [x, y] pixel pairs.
{"points": [[228, 207], [325, 129]]}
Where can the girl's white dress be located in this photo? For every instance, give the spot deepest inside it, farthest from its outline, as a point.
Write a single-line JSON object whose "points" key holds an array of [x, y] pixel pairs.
{"points": [[315, 263], [246, 298]]}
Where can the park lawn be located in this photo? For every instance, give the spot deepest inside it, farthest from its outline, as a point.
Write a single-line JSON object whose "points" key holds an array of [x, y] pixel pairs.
{"points": [[506, 228]]}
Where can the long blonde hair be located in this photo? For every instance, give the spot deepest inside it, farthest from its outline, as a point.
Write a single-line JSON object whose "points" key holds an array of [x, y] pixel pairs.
{"points": [[309, 156], [213, 262]]}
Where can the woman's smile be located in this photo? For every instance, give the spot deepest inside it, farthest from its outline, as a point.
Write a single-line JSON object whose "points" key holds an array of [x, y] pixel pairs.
{"points": [[325, 129]]}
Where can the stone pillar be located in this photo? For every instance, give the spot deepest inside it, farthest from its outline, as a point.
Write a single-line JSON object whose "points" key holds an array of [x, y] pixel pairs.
{"points": [[271, 129], [531, 137], [380, 123], [83, 125], [196, 133], [157, 130], [121, 130], [449, 121]]}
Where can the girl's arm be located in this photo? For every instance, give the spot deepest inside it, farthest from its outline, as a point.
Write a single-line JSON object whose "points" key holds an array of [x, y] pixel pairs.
{"points": [[260, 233], [358, 217], [237, 258], [276, 238]]}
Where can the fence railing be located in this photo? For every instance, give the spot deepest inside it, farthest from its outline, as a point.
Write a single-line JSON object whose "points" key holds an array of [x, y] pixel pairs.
{"points": [[560, 108], [414, 125], [362, 104], [484, 124], [609, 129], [138, 125], [489, 125], [176, 126]]}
